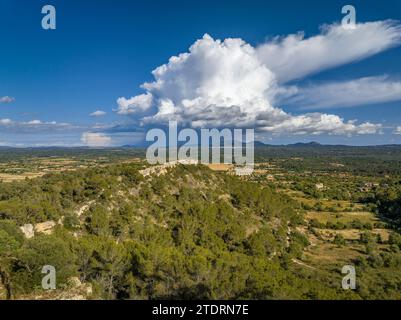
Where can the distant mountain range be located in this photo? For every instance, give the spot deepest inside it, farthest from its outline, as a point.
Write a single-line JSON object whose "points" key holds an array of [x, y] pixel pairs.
{"points": [[257, 144], [314, 144]]}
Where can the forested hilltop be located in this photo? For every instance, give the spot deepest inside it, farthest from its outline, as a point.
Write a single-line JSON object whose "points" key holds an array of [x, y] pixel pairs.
{"points": [[189, 233], [114, 229]]}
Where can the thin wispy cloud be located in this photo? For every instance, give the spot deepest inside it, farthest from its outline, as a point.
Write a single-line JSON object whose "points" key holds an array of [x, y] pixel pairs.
{"points": [[98, 113], [34, 126], [294, 56], [343, 94]]}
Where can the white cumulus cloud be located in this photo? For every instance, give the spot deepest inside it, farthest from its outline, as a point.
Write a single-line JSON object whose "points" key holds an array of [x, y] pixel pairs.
{"points": [[136, 104], [318, 123], [95, 139], [226, 84]]}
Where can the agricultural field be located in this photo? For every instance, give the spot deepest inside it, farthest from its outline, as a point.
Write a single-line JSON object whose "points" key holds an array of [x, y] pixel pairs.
{"points": [[33, 163], [344, 204]]}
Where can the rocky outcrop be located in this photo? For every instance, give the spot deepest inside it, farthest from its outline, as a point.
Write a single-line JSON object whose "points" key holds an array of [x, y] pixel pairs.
{"points": [[45, 227], [28, 230], [83, 208]]}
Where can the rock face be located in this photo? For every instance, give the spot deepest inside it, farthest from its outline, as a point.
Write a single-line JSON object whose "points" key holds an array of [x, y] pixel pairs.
{"points": [[28, 231], [45, 227]]}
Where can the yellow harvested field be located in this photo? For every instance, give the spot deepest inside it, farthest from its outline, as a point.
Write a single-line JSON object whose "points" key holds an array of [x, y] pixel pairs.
{"points": [[220, 166], [5, 177]]}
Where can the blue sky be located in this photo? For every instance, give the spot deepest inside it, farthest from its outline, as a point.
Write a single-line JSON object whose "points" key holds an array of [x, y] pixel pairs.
{"points": [[51, 81]]}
